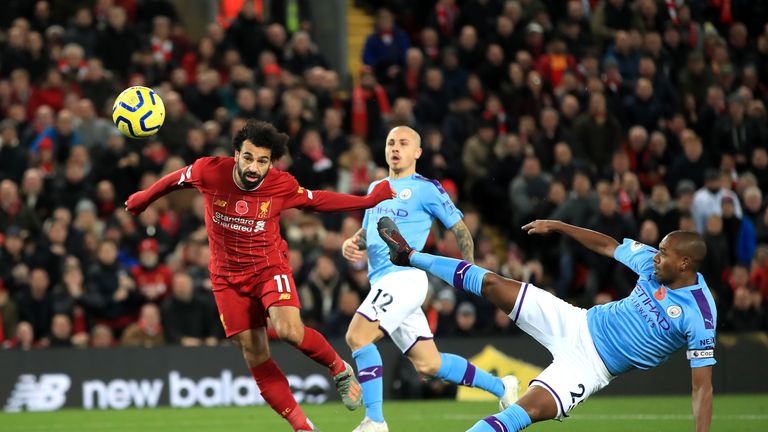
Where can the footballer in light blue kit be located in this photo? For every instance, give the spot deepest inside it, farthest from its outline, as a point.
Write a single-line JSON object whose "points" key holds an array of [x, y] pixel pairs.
{"points": [[669, 308], [393, 305]]}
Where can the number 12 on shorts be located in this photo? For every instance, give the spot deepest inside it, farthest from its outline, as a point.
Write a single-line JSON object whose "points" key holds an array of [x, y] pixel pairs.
{"points": [[282, 283]]}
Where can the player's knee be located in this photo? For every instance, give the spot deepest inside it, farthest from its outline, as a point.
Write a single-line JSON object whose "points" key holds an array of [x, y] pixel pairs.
{"points": [[291, 333], [426, 367], [356, 340]]}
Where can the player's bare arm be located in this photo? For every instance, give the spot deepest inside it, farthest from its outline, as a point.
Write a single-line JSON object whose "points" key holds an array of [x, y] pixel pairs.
{"points": [[701, 383], [464, 240], [592, 240], [353, 247]]}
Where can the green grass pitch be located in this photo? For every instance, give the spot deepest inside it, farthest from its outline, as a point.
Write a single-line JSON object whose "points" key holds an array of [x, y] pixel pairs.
{"points": [[647, 414]]}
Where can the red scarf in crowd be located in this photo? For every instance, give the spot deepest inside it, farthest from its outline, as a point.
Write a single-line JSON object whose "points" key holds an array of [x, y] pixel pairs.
{"points": [[500, 118], [161, 50], [446, 16], [360, 110], [726, 13]]}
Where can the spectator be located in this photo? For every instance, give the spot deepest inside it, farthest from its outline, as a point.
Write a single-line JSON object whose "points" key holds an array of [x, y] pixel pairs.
{"points": [[203, 99], [9, 315], [644, 108], [177, 123], [690, 165], [61, 332], [759, 167], [706, 201], [117, 42], [13, 212], [324, 286], [466, 316], [529, 188], [302, 54], [747, 313], [115, 291], [62, 137], [153, 278], [385, 49], [187, 319], [24, 338], [147, 332], [13, 160], [737, 134], [312, 167], [34, 303], [739, 231], [338, 322], [478, 155], [578, 209], [597, 132], [34, 196], [101, 337], [661, 210]]}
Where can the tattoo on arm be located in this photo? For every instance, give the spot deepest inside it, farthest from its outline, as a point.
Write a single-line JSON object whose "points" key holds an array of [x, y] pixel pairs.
{"points": [[363, 242], [464, 240]]}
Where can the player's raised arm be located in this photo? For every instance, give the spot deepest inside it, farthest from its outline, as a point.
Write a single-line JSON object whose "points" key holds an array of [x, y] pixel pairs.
{"points": [[180, 179], [701, 383], [592, 240], [327, 201]]}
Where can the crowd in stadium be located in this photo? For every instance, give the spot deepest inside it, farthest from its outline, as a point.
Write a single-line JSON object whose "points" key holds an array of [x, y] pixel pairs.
{"points": [[635, 118]]}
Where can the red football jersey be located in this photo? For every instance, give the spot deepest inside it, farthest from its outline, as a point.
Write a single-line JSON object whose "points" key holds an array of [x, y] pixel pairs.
{"points": [[243, 226]]}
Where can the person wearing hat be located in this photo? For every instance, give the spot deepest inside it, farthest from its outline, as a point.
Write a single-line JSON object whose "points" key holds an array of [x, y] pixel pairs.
{"points": [[153, 277], [707, 200], [466, 316]]}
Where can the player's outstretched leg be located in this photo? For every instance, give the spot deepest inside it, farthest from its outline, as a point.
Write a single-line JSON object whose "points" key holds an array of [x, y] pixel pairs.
{"points": [[270, 379], [316, 347], [511, 419], [458, 370], [288, 326], [500, 291]]}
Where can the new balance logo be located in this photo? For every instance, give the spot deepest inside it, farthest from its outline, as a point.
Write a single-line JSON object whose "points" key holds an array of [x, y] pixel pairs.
{"points": [[49, 393]]}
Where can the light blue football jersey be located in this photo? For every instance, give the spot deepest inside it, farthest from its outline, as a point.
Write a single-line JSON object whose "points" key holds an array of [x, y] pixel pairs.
{"points": [[642, 330], [419, 201]]}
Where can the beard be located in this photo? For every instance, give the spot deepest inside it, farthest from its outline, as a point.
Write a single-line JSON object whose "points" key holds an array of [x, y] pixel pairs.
{"points": [[243, 176]]}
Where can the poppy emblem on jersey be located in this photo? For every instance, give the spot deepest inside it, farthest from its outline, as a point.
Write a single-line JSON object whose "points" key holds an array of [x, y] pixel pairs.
{"points": [[264, 209], [660, 293], [405, 194], [241, 207], [674, 311], [220, 203]]}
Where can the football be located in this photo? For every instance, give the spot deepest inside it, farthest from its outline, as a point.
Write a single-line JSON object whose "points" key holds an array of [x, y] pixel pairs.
{"points": [[138, 112]]}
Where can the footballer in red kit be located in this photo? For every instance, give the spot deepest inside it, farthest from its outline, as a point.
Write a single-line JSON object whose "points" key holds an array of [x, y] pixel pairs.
{"points": [[249, 268]]}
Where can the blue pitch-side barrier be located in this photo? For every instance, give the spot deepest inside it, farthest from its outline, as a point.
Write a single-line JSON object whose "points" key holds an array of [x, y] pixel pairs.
{"points": [[121, 378]]}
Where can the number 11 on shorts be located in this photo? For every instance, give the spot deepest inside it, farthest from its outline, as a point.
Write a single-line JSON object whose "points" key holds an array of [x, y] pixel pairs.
{"points": [[282, 283]]}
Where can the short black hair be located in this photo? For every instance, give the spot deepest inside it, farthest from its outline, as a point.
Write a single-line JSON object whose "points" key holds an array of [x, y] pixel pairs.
{"points": [[264, 135]]}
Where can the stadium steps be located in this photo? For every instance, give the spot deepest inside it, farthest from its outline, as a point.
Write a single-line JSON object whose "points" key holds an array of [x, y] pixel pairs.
{"points": [[359, 26]]}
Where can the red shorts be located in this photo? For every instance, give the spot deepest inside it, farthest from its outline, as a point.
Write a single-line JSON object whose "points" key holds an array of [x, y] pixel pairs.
{"points": [[243, 303]]}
